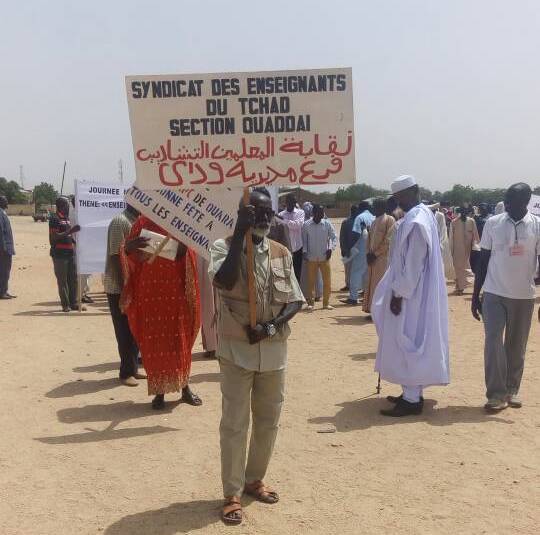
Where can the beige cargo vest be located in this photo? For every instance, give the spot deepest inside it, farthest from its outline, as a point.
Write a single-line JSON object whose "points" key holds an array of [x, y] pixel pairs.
{"points": [[233, 310]]}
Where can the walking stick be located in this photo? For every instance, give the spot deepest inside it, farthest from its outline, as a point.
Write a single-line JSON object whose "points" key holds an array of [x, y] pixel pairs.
{"points": [[250, 268], [379, 385]]}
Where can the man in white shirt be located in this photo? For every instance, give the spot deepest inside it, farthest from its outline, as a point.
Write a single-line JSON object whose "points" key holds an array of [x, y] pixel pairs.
{"points": [[293, 217], [510, 247], [410, 306], [319, 238]]}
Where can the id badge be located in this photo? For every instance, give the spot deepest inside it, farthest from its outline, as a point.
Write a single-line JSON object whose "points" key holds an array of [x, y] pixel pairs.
{"points": [[517, 250]]}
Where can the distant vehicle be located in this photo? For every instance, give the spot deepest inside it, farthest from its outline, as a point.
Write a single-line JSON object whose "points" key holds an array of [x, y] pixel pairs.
{"points": [[41, 215]]}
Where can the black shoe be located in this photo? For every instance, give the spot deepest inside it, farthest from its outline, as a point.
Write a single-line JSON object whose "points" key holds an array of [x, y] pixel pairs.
{"points": [[190, 397], [404, 408], [397, 399], [86, 299], [6, 296], [351, 302], [158, 403]]}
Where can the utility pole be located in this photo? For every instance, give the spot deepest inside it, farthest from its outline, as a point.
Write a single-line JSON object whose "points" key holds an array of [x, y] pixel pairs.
{"points": [[63, 175], [21, 176], [121, 171]]}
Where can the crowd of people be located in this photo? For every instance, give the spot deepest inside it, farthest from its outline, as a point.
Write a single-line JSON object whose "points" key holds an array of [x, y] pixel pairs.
{"points": [[399, 255]]}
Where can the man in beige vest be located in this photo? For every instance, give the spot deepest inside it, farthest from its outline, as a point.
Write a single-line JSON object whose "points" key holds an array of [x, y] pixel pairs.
{"points": [[252, 361]]}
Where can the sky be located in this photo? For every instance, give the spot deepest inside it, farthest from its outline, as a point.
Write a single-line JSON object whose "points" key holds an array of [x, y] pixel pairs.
{"points": [[448, 91]]}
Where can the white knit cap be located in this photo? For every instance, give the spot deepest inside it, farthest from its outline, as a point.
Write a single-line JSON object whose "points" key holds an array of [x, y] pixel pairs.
{"points": [[403, 182]]}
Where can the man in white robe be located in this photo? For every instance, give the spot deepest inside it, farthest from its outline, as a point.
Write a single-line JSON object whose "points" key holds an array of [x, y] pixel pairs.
{"points": [[410, 306]]}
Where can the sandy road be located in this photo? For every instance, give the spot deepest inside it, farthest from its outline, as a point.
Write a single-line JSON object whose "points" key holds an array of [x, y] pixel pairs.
{"points": [[80, 454]]}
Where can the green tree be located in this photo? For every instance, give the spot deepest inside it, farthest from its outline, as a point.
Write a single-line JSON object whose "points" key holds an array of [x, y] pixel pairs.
{"points": [[358, 192], [425, 194], [45, 193], [458, 195], [490, 196], [12, 191]]}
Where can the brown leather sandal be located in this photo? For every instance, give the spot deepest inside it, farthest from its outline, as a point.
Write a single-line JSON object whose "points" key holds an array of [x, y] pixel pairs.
{"points": [[261, 492], [232, 511]]}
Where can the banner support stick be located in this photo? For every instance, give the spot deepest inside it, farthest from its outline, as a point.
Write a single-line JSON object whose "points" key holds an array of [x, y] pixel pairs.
{"points": [[159, 248], [250, 268], [79, 291]]}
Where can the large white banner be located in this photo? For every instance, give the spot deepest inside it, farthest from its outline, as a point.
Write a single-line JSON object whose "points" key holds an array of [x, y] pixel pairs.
{"points": [[242, 129], [95, 205], [195, 217], [534, 205]]}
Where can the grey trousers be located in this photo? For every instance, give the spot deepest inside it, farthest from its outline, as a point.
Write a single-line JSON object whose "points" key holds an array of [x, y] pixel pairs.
{"points": [[5, 270], [264, 393], [66, 279], [506, 324]]}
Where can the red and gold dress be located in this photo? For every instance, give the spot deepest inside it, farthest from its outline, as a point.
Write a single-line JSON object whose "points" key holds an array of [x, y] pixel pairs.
{"points": [[161, 301]]}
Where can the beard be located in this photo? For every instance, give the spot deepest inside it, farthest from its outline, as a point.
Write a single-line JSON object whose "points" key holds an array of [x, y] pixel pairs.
{"points": [[261, 232]]}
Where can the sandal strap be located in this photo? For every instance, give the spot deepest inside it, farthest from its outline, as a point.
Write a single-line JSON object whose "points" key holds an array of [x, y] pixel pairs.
{"points": [[259, 488], [231, 508]]}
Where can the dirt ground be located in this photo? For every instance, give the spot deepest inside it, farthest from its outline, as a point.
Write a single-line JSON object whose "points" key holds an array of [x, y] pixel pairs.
{"points": [[80, 454]]}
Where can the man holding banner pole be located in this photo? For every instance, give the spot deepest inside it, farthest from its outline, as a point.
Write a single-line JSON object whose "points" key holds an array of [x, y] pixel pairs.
{"points": [[252, 359]]}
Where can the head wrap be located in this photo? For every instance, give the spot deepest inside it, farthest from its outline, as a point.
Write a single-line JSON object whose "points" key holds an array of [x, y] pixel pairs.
{"points": [[499, 209]]}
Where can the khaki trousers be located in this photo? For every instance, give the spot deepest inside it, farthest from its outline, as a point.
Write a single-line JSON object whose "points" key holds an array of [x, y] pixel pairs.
{"points": [[313, 267], [240, 390]]}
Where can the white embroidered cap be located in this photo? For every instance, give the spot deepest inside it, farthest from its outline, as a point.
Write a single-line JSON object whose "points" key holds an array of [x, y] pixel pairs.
{"points": [[402, 182]]}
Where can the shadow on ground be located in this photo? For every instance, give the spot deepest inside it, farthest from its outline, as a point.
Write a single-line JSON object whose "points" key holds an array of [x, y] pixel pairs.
{"points": [[176, 518], [351, 320], [94, 435], [363, 356], [73, 313], [204, 378], [364, 413], [98, 368], [83, 386], [116, 414]]}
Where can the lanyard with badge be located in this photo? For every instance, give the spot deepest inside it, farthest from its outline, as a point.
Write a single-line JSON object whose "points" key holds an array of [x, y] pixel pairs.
{"points": [[518, 249]]}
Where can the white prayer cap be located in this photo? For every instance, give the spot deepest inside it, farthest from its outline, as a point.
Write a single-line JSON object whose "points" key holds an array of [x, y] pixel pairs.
{"points": [[402, 182], [499, 209]]}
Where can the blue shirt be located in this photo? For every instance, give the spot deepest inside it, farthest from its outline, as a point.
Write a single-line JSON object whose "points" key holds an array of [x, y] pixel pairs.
{"points": [[6, 235], [365, 219]]}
